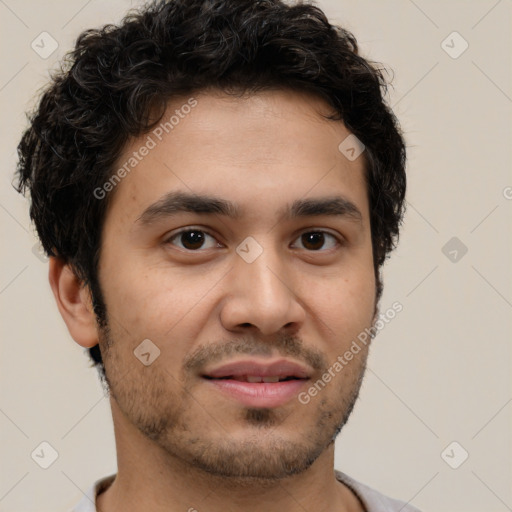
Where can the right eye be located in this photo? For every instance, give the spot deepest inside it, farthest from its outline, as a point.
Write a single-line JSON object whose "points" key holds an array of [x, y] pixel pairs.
{"points": [[191, 239]]}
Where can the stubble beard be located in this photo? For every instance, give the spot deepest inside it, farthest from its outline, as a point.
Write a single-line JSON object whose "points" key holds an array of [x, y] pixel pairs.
{"points": [[268, 453]]}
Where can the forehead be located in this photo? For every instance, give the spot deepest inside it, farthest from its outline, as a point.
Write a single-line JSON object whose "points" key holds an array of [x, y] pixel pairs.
{"points": [[259, 150]]}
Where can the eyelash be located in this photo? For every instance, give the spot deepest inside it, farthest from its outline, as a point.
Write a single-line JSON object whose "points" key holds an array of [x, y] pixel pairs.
{"points": [[339, 242]]}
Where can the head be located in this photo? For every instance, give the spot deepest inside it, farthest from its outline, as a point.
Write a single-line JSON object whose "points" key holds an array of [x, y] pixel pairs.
{"points": [[246, 102]]}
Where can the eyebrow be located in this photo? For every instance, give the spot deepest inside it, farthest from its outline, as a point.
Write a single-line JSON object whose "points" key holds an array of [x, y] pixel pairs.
{"points": [[174, 203]]}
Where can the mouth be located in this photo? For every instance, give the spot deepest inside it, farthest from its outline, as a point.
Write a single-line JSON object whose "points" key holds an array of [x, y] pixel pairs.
{"points": [[254, 383], [253, 379]]}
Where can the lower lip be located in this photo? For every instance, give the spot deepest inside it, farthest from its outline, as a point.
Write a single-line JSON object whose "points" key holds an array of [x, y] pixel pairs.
{"points": [[259, 394]]}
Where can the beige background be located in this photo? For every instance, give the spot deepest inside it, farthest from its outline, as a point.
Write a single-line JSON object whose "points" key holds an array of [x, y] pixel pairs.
{"points": [[439, 372]]}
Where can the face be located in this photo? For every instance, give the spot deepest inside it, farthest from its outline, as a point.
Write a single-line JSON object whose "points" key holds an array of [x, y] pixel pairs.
{"points": [[238, 247]]}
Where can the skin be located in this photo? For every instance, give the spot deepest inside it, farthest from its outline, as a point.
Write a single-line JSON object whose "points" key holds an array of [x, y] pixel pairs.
{"points": [[181, 444]]}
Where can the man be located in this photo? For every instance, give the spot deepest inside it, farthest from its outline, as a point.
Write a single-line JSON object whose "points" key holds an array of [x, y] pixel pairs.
{"points": [[217, 184]]}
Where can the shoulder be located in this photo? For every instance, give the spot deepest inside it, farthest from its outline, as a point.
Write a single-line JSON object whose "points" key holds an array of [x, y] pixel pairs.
{"points": [[373, 500], [88, 501]]}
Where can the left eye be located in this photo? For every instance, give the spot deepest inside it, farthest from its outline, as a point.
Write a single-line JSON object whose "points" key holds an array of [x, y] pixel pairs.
{"points": [[194, 239], [316, 239]]}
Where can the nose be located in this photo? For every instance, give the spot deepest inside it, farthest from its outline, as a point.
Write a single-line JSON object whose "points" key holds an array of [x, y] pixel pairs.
{"points": [[261, 296]]}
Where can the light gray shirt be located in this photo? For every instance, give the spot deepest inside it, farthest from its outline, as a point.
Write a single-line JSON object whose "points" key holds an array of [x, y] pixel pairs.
{"points": [[372, 500]]}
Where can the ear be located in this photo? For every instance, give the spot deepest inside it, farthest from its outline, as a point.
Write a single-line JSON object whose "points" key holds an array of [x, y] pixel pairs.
{"points": [[74, 303]]}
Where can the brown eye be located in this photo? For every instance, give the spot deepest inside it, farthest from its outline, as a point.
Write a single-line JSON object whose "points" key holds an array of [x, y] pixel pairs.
{"points": [[315, 240], [191, 239]]}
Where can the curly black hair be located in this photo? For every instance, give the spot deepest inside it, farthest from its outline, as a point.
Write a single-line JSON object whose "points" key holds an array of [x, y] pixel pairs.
{"points": [[117, 80]]}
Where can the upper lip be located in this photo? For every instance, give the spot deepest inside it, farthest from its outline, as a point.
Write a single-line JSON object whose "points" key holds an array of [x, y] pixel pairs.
{"points": [[281, 368]]}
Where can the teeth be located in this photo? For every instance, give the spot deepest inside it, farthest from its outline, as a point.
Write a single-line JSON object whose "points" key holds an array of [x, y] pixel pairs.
{"points": [[255, 379], [251, 378]]}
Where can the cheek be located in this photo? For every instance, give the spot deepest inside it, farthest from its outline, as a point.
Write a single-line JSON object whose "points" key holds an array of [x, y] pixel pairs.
{"points": [[344, 306], [156, 302]]}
